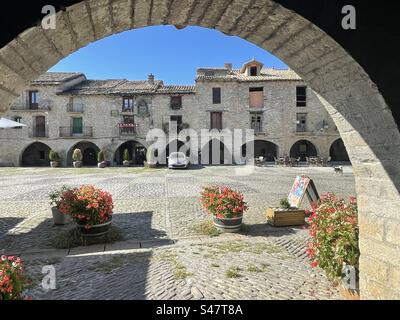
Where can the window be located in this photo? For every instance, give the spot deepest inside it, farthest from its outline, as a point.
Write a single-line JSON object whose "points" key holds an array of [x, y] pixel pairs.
{"points": [[256, 97], [216, 95], [127, 105], [176, 102], [142, 108], [301, 123], [253, 71], [40, 127], [216, 120], [129, 119], [77, 126], [256, 123], [301, 96], [33, 99], [42, 155]]}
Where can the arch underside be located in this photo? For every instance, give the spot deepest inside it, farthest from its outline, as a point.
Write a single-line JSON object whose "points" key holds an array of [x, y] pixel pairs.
{"points": [[360, 113], [136, 151], [89, 152], [35, 155]]}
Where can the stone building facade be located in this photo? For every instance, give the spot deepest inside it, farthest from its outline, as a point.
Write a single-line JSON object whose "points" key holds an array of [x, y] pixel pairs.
{"points": [[64, 111]]}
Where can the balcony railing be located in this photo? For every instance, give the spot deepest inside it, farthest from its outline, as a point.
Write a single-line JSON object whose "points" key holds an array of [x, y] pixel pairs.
{"points": [[38, 133], [43, 105], [127, 129], [70, 132], [75, 107], [300, 128], [257, 127]]}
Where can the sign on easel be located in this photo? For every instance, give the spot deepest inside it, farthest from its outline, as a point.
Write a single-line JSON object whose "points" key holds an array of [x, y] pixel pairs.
{"points": [[302, 186]]}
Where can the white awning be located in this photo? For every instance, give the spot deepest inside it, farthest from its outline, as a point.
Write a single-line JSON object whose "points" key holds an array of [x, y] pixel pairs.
{"points": [[6, 124]]}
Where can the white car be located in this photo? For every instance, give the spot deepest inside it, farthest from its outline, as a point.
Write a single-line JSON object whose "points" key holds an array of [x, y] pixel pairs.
{"points": [[178, 160]]}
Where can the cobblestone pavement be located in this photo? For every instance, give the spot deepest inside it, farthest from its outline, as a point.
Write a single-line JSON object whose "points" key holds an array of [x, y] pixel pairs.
{"points": [[152, 205]]}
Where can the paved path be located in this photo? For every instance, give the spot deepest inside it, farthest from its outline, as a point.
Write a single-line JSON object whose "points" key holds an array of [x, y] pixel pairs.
{"points": [[164, 205]]}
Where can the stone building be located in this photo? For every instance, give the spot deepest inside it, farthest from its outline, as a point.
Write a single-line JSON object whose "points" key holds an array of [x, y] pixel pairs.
{"points": [[65, 111]]}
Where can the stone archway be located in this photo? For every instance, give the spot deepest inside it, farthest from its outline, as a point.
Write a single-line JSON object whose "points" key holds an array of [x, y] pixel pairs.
{"points": [[338, 152], [137, 153], [89, 152], [303, 149], [263, 148], [35, 155], [359, 111]]}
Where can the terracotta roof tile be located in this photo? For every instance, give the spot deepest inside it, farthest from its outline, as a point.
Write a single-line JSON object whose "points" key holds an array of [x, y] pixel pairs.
{"points": [[54, 78], [266, 74], [177, 89]]}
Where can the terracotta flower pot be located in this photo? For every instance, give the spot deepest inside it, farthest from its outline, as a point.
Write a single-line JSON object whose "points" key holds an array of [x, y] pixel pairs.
{"points": [[126, 163], [77, 164], [54, 164]]}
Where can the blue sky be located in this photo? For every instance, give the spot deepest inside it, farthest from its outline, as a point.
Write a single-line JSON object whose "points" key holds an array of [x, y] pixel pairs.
{"points": [[171, 55]]}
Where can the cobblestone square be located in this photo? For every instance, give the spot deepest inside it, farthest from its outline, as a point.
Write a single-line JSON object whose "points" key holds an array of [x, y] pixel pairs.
{"points": [[162, 256]]}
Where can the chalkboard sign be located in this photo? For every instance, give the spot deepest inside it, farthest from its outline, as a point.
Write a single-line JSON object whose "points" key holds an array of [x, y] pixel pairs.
{"points": [[302, 186]]}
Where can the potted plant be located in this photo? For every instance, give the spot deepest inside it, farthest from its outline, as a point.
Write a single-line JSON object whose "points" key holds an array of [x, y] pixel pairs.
{"points": [[12, 279], [91, 209], [127, 158], [226, 207], [151, 161], [57, 197], [285, 215], [54, 159], [101, 159], [333, 241], [77, 158]]}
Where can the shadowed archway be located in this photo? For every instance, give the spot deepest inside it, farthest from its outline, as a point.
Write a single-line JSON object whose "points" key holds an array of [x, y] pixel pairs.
{"points": [[89, 153], [262, 148], [338, 152], [137, 153], [303, 149], [36, 155]]}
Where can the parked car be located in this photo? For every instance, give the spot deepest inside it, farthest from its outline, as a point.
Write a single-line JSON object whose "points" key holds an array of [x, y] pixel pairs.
{"points": [[178, 160]]}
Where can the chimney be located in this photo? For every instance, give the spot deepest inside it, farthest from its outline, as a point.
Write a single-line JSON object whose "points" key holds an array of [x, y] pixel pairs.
{"points": [[150, 78], [228, 66]]}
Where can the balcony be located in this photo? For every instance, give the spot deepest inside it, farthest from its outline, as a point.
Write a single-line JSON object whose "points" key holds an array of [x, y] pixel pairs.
{"points": [[75, 107], [39, 133], [127, 129], [69, 132], [43, 105]]}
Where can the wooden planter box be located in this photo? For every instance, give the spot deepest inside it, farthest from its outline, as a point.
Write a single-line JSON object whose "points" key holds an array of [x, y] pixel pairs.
{"points": [[285, 218]]}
